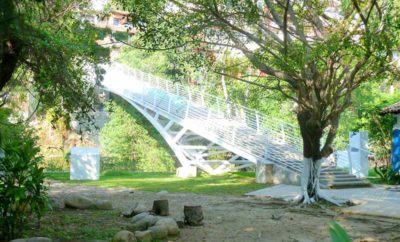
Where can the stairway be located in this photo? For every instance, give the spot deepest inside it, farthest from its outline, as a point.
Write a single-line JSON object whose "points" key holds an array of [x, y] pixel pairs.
{"points": [[336, 178]]}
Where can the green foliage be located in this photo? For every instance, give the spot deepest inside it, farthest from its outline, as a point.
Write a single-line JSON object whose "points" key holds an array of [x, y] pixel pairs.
{"points": [[364, 115], [160, 63], [45, 47], [129, 141], [338, 234], [22, 190], [387, 175]]}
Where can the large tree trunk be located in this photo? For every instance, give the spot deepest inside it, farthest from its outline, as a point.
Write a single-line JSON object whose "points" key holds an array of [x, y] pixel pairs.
{"points": [[311, 132]]}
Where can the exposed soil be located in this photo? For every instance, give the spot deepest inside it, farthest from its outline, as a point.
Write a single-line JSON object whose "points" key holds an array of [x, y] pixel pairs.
{"points": [[230, 218]]}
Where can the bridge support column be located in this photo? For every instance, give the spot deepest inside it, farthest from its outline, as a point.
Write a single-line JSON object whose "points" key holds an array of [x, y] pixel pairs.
{"points": [[264, 173]]}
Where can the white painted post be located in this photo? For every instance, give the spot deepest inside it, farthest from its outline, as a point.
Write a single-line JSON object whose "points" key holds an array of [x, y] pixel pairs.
{"points": [[234, 136], [349, 158], [189, 94], [257, 122], [187, 110], [169, 104]]}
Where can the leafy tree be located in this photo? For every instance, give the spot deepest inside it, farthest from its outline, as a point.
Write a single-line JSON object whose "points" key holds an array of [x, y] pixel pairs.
{"points": [[129, 141], [47, 48], [313, 53], [22, 189]]}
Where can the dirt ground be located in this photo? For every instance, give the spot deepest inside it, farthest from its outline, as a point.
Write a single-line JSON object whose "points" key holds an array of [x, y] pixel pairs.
{"points": [[229, 218]]}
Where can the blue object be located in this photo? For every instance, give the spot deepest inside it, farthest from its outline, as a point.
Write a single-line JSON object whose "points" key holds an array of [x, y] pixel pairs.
{"points": [[396, 150]]}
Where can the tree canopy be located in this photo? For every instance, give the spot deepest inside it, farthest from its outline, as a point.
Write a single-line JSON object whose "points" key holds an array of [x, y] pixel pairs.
{"points": [[46, 47]]}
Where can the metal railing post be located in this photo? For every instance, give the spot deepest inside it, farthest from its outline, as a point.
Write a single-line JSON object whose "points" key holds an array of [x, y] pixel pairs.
{"points": [[257, 122], [187, 110], [169, 104]]}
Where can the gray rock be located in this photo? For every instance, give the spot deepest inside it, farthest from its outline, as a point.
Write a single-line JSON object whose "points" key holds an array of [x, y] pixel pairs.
{"points": [[39, 239], [139, 216], [124, 236], [56, 203], [144, 223], [139, 209], [170, 224], [103, 205], [143, 236], [78, 201], [130, 212], [18, 240], [158, 232]]}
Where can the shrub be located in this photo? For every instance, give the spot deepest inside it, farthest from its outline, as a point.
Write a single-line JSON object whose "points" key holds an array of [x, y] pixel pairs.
{"points": [[22, 190], [128, 141]]}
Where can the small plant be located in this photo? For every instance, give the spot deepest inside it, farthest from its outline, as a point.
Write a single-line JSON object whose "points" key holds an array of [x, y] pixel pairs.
{"points": [[387, 174], [338, 234], [22, 190]]}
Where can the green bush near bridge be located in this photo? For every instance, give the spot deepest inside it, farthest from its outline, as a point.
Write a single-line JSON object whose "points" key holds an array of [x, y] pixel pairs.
{"points": [[129, 142]]}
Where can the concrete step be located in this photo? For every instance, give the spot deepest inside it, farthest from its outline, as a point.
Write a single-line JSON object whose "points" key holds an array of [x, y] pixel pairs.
{"points": [[327, 176], [334, 173], [342, 179], [346, 184]]}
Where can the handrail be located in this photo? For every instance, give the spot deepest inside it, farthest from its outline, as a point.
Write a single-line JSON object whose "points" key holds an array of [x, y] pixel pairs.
{"points": [[262, 136]]}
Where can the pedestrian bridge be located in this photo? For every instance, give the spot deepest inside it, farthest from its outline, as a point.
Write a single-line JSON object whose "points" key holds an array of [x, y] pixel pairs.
{"points": [[206, 131]]}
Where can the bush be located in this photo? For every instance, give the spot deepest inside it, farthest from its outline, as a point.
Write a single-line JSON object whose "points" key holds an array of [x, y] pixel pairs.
{"points": [[129, 142], [22, 190]]}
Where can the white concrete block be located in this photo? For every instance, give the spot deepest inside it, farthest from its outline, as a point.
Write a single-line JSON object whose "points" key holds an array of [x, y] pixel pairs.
{"points": [[186, 171], [85, 163]]}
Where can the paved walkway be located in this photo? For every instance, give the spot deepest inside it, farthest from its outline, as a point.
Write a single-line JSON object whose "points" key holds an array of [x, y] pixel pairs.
{"points": [[376, 200]]}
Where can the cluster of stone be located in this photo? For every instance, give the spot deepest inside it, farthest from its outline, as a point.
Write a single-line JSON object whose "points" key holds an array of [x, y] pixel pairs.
{"points": [[148, 225], [78, 202]]}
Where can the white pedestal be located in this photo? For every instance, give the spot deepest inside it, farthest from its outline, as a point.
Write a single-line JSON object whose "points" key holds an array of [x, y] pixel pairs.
{"points": [[186, 171], [359, 153], [85, 163]]}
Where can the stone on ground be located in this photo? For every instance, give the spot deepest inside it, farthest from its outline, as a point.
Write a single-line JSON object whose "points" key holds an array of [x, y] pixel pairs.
{"points": [[124, 236], [143, 223], [158, 232], [18, 240], [139, 209], [39, 239], [170, 224], [143, 236], [103, 205], [162, 193], [130, 212], [140, 216], [56, 203], [78, 201]]}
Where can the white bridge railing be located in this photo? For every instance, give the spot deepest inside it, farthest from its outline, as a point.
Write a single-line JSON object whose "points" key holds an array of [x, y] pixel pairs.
{"points": [[265, 138]]}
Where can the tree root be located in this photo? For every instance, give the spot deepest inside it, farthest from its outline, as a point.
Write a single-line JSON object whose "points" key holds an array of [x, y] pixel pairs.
{"points": [[305, 199]]}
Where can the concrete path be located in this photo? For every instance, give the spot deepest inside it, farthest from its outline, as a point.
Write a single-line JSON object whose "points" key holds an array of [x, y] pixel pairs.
{"points": [[376, 200]]}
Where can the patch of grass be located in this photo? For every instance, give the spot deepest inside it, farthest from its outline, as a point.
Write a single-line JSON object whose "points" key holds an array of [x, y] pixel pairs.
{"points": [[237, 183], [79, 225]]}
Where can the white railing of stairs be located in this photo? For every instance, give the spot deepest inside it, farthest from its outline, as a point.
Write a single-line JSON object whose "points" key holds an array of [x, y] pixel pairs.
{"points": [[262, 138]]}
